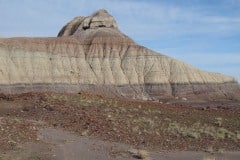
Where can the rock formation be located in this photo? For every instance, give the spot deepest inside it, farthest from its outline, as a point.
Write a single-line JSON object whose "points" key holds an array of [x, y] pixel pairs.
{"points": [[91, 54]]}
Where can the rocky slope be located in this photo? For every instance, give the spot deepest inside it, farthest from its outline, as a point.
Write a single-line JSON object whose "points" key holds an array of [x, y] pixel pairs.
{"points": [[91, 54]]}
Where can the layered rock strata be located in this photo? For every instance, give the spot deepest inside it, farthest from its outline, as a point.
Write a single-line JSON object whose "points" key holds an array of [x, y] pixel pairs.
{"points": [[91, 54]]}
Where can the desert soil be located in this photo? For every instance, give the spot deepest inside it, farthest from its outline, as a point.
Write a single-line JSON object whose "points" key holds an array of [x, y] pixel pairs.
{"points": [[37, 126]]}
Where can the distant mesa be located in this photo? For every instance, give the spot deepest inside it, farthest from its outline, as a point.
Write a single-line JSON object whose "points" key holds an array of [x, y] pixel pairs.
{"points": [[92, 55]]}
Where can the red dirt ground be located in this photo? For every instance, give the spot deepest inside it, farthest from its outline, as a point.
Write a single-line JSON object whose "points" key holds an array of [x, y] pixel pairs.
{"points": [[145, 124]]}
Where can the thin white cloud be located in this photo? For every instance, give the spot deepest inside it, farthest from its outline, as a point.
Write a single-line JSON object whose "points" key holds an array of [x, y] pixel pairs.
{"points": [[220, 19], [145, 20], [210, 59], [233, 2], [227, 63]]}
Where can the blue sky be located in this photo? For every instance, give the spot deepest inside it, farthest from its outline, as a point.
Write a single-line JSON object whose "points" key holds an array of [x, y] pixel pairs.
{"points": [[204, 33]]}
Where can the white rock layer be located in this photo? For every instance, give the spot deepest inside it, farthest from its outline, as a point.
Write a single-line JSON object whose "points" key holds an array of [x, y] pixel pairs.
{"points": [[92, 51], [57, 61]]}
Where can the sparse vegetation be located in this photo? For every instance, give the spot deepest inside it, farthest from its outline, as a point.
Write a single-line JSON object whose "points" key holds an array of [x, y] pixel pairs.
{"points": [[238, 135], [136, 123], [218, 121], [197, 131], [143, 154]]}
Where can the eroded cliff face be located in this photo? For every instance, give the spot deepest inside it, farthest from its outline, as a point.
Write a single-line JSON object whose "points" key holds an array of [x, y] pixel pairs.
{"points": [[91, 54]]}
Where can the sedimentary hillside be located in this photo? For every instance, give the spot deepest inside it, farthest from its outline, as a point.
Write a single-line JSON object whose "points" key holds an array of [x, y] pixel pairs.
{"points": [[91, 54]]}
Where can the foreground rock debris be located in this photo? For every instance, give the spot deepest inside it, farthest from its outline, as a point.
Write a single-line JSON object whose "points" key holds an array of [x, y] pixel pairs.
{"points": [[50, 126], [91, 54]]}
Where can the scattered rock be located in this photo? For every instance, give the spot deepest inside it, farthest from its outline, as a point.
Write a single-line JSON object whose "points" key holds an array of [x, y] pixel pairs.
{"points": [[84, 133], [184, 99], [139, 153]]}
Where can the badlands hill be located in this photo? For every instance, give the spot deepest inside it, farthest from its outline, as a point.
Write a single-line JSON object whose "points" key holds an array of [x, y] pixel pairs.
{"points": [[91, 54]]}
